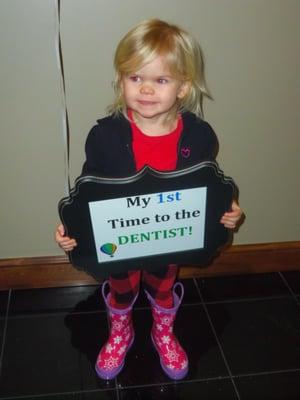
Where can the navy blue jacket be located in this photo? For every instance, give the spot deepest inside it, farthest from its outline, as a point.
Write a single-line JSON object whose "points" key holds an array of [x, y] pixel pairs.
{"points": [[109, 146]]}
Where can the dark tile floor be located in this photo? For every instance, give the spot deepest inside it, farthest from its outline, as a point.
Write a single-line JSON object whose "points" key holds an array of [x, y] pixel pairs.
{"points": [[242, 335]]}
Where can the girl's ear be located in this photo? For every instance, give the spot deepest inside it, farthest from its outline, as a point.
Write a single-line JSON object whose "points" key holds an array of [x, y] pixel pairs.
{"points": [[184, 89]]}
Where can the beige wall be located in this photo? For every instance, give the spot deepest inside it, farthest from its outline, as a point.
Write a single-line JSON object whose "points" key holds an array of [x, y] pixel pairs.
{"points": [[252, 59]]}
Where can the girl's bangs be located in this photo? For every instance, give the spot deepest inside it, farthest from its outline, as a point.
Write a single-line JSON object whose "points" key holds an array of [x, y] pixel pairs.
{"points": [[135, 55], [135, 62]]}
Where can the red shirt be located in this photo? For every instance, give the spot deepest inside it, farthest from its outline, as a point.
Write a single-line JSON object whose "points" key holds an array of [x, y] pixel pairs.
{"points": [[159, 152]]}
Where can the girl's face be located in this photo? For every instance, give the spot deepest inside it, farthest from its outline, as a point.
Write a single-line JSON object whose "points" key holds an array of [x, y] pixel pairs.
{"points": [[152, 92]]}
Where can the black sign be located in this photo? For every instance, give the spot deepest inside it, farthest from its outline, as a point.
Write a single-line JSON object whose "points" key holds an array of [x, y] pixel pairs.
{"points": [[147, 220]]}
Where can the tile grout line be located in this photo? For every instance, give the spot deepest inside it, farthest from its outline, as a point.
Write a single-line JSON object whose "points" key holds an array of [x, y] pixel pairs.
{"points": [[117, 391], [217, 340], [54, 314], [120, 388], [247, 300], [262, 373], [56, 394], [289, 288], [173, 383], [5, 331]]}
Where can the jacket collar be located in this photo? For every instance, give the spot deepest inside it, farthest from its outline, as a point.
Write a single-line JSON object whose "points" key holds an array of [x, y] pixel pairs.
{"points": [[123, 124]]}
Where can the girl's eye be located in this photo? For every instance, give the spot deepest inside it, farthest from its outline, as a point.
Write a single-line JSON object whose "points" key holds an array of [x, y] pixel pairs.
{"points": [[162, 80], [135, 78]]}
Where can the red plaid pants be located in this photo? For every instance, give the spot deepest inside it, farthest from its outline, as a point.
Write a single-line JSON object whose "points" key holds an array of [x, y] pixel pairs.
{"points": [[125, 286]]}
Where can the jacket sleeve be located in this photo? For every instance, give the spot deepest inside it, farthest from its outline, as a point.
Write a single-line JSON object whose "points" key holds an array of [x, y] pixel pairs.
{"points": [[93, 164], [211, 143]]}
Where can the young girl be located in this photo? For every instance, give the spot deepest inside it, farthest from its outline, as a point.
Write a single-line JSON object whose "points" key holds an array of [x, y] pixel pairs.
{"points": [[155, 120]]}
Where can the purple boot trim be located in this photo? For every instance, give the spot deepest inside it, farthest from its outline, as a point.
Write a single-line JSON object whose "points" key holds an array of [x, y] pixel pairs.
{"points": [[176, 300], [118, 311]]}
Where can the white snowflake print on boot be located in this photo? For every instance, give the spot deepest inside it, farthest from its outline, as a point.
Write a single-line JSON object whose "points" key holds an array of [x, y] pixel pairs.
{"points": [[111, 358], [173, 358]]}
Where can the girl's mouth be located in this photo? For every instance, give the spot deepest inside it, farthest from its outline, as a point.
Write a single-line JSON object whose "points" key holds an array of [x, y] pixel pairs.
{"points": [[146, 102]]}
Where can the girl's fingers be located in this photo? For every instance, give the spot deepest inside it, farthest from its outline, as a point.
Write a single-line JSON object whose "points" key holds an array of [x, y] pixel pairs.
{"points": [[61, 229], [68, 246], [231, 218], [66, 243], [229, 224]]}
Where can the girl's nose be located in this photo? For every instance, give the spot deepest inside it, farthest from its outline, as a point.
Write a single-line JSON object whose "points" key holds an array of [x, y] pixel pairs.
{"points": [[146, 88]]}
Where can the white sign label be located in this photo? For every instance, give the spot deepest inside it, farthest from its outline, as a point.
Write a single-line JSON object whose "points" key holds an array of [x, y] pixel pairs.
{"points": [[149, 224]]}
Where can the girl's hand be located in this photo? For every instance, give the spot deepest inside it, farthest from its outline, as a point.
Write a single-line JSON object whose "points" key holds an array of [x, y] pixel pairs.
{"points": [[231, 218], [66, 243]]}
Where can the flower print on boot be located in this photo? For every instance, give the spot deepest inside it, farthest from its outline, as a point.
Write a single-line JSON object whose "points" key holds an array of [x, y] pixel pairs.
{"points": [[111, 358], [173, 358]]}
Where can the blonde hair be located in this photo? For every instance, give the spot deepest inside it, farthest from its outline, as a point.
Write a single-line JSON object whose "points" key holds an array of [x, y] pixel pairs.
{"points": [[152, 38]]}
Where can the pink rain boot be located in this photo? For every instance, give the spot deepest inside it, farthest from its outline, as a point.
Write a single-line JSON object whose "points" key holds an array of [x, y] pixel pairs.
{"points": [[173, 358], [111, 358]]}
